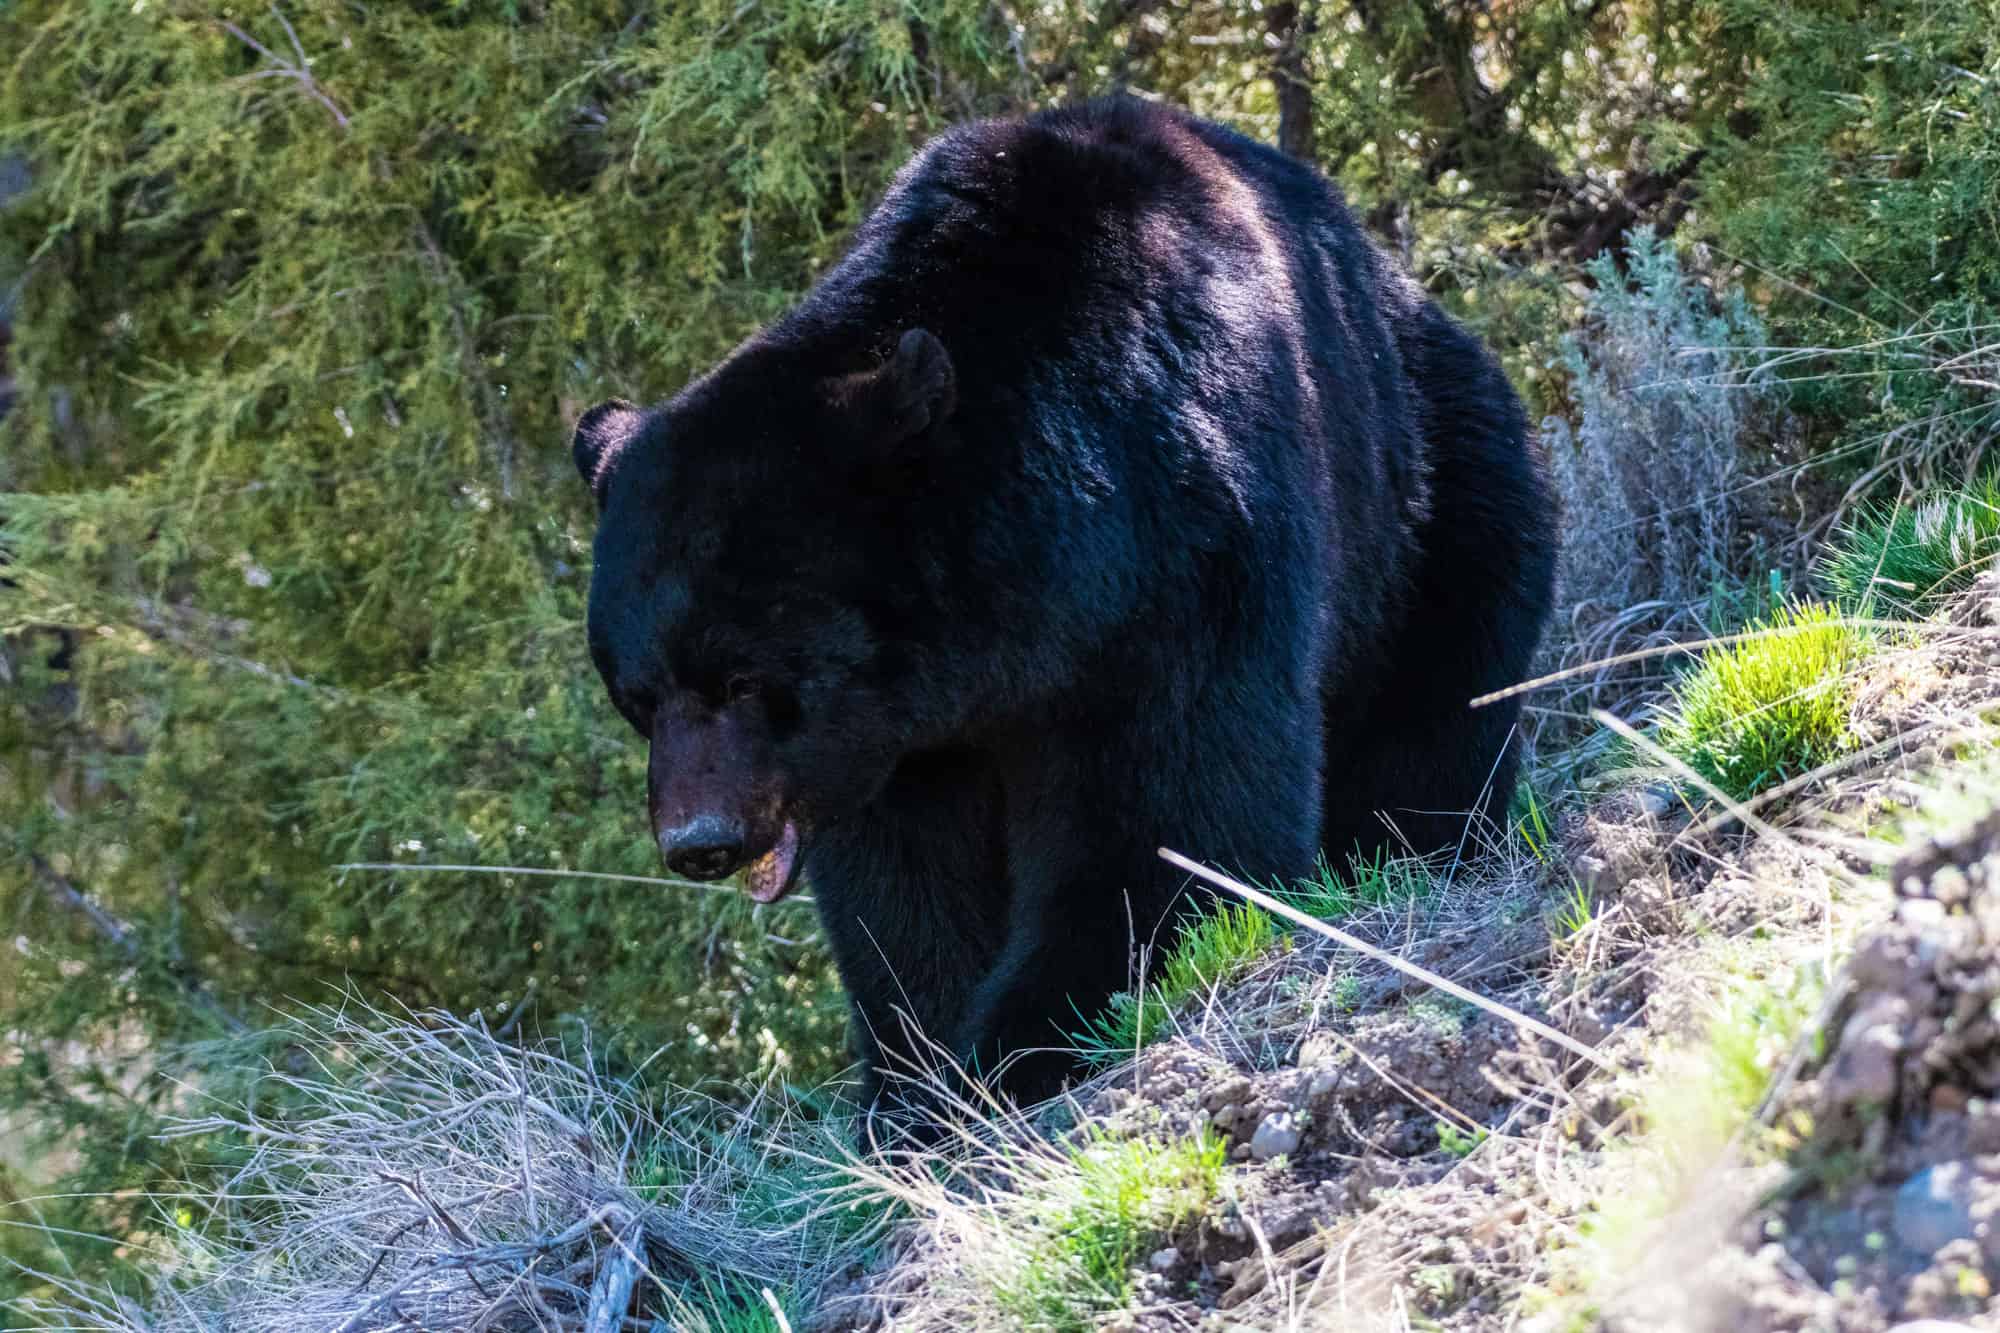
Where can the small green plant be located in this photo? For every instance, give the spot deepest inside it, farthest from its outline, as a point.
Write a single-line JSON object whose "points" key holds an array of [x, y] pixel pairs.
{"points": [[1459, 1142], [1378, 881], [1755, 713], [1223, 943], [1097, 1221], [1575, 910], [1347, 992], [1906, 560], [1531, 822], [1210, 951]]}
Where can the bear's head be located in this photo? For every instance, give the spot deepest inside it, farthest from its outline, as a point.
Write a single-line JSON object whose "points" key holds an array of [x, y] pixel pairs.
{"points": [[751, 605]]}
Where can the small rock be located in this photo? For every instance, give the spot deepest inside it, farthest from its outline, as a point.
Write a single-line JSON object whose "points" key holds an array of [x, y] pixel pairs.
{"points": [[1225, 1116], [1278, 1136], [1932, 1326], [1230, 1091], [1947, 1098], [1934, 1207], [1657, 799], [1864, 1069], [1594, 874], [1881, 963], [1319, 1049], [1165, 1261]]}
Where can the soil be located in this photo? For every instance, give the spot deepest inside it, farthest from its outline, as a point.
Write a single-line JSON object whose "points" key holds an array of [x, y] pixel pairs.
{"points": [[1401, 1160]]}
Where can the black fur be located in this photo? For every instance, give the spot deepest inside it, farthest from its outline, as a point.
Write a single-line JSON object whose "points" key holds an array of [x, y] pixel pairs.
{"points": [[1114, 491]]}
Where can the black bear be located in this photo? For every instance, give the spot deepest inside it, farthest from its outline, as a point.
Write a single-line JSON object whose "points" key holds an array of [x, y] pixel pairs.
{"points": [[1112, 491]]}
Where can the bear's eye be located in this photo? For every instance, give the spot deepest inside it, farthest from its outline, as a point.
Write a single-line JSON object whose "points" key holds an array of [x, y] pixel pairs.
{"points": [[740, 687]]}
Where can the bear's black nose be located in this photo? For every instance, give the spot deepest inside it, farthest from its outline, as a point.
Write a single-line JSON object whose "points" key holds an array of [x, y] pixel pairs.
{"points": [[706, 847]]}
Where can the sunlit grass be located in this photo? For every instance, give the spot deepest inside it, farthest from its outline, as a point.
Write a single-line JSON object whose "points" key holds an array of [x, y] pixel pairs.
{"points": [[1696, 1099], [1209, 952], [1908, 559], [1755, 713], [1091, 1226]]}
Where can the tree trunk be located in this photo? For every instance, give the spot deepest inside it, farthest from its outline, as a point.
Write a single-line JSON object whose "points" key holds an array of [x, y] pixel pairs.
{"points": [[1288, 79]]}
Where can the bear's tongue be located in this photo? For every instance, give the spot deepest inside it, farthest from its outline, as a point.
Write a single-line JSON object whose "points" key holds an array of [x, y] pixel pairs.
{"points": [[770, 876]]}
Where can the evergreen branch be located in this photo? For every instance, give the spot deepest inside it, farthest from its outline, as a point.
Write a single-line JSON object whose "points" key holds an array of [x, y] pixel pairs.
{"points": [[490, 409], [64, 892], [299, 73]]}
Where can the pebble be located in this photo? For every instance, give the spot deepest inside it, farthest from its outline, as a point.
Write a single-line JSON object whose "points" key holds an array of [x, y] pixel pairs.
{"points": [[1934, 1207], [1932, 1326], [1863, 1071], [1165, 1261], [1278, 1136], [1223, 1094]]}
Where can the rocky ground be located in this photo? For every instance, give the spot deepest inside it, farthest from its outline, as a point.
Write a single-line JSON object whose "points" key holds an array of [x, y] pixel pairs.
{"points": [[1401, 1160]]}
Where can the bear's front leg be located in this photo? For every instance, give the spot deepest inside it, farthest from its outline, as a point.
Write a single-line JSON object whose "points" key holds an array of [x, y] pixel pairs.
{"points": [[912, 895], [1091, 898], [1069, 949]]}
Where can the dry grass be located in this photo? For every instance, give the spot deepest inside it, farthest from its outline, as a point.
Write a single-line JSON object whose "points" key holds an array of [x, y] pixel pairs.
{"points": [[422, 1173]]}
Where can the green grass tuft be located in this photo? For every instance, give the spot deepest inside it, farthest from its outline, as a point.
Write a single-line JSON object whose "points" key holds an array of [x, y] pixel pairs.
{"points": [[1378, 881], [1227, 940], [1528, 814], [1756, 713], [1907, 560], [1575, 911], [1209, 952], [1100, 1221]]}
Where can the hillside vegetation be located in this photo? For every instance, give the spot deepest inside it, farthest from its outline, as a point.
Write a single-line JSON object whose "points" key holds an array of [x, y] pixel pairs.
{"points": [[342, 985]]}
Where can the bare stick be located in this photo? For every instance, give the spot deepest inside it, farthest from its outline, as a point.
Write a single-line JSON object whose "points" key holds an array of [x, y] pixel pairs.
{"points": [[1423, 974], [557, 874], [611, 1294], [1687, 649]]}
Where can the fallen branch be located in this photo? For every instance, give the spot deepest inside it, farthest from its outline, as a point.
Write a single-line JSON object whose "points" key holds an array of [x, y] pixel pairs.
{"points": [[1404, 965]]}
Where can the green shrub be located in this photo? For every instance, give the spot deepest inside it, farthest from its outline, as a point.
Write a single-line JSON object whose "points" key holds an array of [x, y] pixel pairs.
{"points": [[1909, 559], [296, 358], [1757, 712], [1860, 190]]}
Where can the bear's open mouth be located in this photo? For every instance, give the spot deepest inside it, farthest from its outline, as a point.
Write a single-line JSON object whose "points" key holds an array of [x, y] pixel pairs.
{"points": [[770, 876]]}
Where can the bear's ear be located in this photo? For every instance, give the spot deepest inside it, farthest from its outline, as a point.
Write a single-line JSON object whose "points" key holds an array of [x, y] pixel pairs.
{"points": [[914, 390], [600, 434], [923, 387]]}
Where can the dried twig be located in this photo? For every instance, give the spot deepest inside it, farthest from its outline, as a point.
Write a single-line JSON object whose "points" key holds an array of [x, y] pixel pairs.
{"points": [[298, 70]]}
